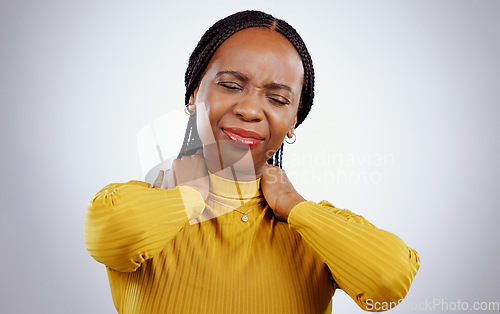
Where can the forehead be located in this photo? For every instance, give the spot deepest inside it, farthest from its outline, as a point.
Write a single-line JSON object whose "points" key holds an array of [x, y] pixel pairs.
{"points": [[261, 52]]}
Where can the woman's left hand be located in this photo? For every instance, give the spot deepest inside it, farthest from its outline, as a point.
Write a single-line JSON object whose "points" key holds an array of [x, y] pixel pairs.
{"points": [[279, 191]]}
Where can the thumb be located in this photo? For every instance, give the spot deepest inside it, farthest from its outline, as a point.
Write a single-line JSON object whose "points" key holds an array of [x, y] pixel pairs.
{"points": [[158, 180]]}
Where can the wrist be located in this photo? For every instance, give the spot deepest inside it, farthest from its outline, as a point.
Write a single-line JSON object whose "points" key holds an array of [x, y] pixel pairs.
{"points": [[287, 202]]}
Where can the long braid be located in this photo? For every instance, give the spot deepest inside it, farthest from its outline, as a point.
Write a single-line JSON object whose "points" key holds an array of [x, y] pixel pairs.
{"points": [[213, 39], [191, 142], [307, 93], [278, 157]]}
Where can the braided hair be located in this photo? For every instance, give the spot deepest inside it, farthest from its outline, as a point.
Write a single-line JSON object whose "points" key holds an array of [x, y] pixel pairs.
{"points": [[213, 39]]}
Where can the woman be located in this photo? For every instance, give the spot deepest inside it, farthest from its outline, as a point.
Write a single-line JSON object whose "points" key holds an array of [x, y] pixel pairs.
{"points": [[223, 230]]}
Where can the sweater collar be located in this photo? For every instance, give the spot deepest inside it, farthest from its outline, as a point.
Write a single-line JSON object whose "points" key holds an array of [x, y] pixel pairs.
{"points": [[226, 188]]}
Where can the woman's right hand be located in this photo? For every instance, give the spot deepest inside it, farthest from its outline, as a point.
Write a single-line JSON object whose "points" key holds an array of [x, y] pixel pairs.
{"points": [[188, 171]]}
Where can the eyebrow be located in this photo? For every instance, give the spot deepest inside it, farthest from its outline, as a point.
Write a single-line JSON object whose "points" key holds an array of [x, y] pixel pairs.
{"points": [[244, 78], [238, 75], [279, 86]]}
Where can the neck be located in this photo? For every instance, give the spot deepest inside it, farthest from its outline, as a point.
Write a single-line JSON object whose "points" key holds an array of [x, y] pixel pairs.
{"points": [[243, 170], [235, 174], [223, 188]]}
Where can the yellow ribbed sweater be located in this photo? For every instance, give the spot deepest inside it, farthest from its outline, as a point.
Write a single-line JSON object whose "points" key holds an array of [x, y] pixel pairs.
{"points": [[164, 253]]}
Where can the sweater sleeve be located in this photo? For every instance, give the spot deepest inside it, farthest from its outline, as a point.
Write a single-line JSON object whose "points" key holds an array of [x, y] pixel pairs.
{"points": [[128, 223], [371, 265]]}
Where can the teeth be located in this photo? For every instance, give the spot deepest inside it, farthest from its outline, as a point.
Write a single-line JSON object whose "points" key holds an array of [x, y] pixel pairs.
{"points": [[241, 140]]}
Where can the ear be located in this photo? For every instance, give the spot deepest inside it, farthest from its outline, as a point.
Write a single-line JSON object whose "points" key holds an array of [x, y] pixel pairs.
{"points": [[192, 98], [290, 133]]}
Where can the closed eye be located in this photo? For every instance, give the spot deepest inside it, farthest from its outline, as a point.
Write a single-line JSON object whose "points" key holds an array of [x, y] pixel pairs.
{"points": [[280, 100], [230, 85]]}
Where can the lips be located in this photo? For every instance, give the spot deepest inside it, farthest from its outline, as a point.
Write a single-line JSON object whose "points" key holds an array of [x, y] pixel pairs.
{"points": [[241, 137]]}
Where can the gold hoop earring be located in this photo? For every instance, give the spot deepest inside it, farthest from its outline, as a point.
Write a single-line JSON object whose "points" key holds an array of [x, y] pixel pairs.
{"points": [[187, 111], [294, 137]]}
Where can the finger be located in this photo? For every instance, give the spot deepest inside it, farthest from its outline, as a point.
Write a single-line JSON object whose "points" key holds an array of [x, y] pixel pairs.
{"points": [[269, 169], [176, 165], [158, 180], [164, 181], [169, 181], [268, 166]]}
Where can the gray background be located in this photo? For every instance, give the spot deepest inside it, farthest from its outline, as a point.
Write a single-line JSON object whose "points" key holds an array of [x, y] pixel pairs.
{"points": [[412, 84]]}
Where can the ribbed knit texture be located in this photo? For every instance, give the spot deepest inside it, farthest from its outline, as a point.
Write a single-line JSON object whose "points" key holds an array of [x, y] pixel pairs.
{"points": [[166, 251]]}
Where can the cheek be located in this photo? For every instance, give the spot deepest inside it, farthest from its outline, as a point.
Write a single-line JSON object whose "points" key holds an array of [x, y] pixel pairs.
{"points": [[209, 112], [213, 107], [203, 123], [280, 125]]}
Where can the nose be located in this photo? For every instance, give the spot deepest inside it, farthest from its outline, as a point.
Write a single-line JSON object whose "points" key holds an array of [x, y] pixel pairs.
{"points": [[249, 108]]}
